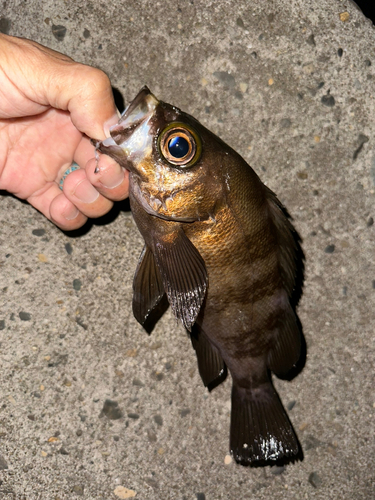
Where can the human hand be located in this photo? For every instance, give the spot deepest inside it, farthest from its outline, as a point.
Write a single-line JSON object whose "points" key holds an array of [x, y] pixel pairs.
{"points": [[49, 108]]}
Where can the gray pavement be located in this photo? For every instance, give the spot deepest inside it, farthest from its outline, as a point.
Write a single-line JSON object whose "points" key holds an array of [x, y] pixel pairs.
{"points": [[290, 85]]}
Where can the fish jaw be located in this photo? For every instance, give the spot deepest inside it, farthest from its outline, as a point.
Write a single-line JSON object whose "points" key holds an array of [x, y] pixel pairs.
{"points": [[131, 139], [155, 205]]}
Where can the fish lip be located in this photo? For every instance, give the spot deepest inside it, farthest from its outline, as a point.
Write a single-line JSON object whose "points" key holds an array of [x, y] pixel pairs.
{"points": [[124, 122], [139, 98], [140, 109], [139, 196], [132, 132]]}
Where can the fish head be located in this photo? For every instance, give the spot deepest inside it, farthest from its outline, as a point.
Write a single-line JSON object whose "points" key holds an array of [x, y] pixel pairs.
{"points": [[172, 159]]}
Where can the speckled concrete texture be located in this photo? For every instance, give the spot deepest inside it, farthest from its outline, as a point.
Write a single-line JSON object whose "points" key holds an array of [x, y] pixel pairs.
{"points": [[91, 406]]}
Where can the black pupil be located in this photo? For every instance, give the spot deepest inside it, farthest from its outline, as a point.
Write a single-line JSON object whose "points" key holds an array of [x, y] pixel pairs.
{"points": [[178, 147]]}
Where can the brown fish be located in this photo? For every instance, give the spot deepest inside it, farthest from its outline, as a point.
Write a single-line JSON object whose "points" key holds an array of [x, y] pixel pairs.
{"points": [[220, 246]]}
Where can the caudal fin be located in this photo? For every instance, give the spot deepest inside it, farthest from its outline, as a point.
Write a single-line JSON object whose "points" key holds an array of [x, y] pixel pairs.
{"points": [[260, 431]]}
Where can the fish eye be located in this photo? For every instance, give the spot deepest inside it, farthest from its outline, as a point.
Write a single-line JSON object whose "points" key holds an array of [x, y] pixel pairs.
{"points": [[180, 145]]}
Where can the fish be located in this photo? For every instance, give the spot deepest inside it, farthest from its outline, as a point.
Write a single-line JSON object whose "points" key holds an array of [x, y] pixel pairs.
{"points": [[220, 250]]}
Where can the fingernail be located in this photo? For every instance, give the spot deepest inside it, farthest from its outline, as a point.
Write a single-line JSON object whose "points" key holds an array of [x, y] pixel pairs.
{"points": [[113, 179], [109, 123], [86, 192], [70, 213]]}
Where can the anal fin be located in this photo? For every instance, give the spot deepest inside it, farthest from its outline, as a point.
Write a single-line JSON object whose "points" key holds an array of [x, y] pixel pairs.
{"points": [[212, 368], [261, 433]]}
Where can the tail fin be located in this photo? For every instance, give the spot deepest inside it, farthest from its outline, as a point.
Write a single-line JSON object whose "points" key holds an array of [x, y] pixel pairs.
{"points": [[260, 432]]}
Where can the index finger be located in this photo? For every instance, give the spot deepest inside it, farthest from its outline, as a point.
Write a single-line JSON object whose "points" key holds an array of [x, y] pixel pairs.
{"points": [[53, 79]]}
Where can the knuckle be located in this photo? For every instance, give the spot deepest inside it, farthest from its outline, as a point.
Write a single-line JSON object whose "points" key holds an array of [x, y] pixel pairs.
{"points": [[94, 81]]}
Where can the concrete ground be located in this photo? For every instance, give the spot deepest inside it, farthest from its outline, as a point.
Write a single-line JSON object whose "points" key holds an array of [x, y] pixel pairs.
{"points": [[94, 408]]}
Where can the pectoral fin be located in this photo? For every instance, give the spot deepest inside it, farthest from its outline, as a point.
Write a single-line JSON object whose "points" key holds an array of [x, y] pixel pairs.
{"points": [[212, 368], [148, 290], [183, 273]]}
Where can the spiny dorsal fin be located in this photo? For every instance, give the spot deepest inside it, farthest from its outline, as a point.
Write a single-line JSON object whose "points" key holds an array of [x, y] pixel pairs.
{"points": [[291, 257]]}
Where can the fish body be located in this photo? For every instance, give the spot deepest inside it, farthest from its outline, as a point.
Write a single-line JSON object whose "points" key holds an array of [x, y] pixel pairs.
{"points": [[220, 246]]}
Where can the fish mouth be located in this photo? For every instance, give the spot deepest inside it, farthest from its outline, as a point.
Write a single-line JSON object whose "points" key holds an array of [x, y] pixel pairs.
{"points": [[131, 137]]}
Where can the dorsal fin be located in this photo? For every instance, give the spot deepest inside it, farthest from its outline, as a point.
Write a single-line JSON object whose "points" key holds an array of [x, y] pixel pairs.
{"points": [[291, 257]]}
